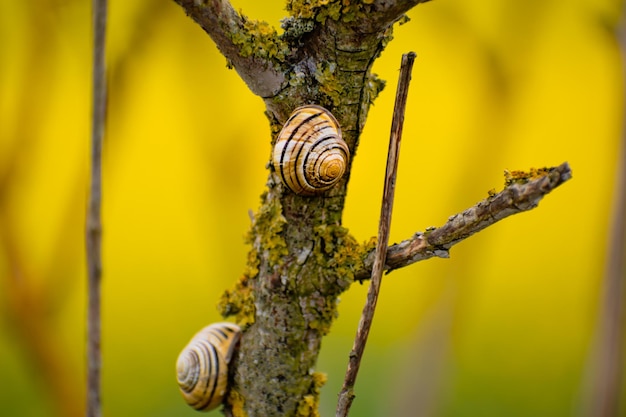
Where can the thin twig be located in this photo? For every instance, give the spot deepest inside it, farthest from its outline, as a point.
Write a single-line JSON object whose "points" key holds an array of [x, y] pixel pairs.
{"points": [[436, 242], [94, 221], [347, 391], [606, 380]]}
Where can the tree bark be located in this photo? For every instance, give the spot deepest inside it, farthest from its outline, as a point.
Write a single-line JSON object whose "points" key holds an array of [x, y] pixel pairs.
{"points": [[301, 258]]}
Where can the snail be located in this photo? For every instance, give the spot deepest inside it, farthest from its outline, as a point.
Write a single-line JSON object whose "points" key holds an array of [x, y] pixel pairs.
{"points": [[202, 366], [310, 156]]}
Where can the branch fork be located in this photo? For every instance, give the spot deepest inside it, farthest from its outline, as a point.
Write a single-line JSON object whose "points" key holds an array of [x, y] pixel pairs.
{"points": [[331, 47]]}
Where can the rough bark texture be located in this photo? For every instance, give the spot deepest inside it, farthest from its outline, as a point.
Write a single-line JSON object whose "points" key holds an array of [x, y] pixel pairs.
{"points": [[301, 257]]}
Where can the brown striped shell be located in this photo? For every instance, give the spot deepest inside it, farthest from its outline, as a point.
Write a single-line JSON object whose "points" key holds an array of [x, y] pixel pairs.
{"points": [[310, 156], [202, 366]]}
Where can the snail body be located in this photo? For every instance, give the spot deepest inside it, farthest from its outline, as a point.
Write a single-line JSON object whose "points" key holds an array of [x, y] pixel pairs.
{"points": [[310, 156], [202, 366]]}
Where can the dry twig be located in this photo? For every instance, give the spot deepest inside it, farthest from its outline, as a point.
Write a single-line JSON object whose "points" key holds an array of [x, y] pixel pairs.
{"points": [[94, 221], [347, 391]]}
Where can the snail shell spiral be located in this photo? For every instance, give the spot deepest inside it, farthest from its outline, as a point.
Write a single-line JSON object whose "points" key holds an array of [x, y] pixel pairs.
{"points": [[310, 155], [202, 366]]}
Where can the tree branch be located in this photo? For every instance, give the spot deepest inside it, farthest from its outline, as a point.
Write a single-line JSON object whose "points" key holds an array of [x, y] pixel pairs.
{"points": [[301, 258], [238, 38], [314, 33], [523, 192]]}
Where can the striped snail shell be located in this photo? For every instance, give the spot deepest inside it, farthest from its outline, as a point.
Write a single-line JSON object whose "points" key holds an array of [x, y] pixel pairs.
{"points": [[202, 366], [310, 155]]}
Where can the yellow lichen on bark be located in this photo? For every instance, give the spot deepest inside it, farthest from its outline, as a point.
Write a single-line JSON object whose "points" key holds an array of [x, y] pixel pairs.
{"points": [[309, 405], [259, 39], [522, 177], [320, 10], [266, 235], [236, 402], [238, 302]]}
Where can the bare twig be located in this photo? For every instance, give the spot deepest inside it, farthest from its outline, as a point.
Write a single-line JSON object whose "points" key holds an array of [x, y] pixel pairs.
{"points": [[517, 197], [347, 391], [606, 377], [94, 222]]}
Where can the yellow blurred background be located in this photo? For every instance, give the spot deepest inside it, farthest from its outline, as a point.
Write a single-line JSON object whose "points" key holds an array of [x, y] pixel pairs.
{"points": [[503, 328]]}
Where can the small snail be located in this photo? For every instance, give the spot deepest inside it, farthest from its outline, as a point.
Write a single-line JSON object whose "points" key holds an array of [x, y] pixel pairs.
{"points": [[310, 155], [202, 366]]}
